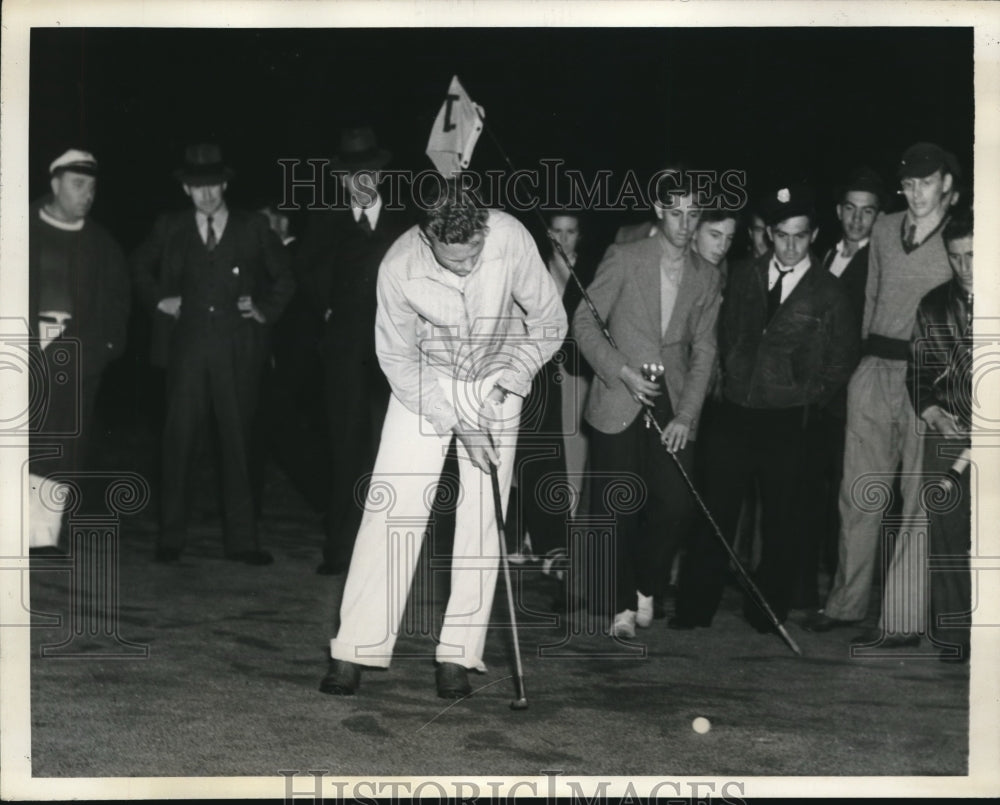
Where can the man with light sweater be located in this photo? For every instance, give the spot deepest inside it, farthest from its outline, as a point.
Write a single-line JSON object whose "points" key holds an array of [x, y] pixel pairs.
{"points": [[907, 259]]}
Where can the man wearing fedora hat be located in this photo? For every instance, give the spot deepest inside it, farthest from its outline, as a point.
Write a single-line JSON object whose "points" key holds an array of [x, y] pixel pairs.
{"points": [[907, 259], [787, 341], [339, 258], [213, 279], [79, 298]]}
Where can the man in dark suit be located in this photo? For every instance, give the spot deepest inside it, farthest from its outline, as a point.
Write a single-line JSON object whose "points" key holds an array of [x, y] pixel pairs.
{"points": [[660, 301], [787, 341], [861, 199], [79, 299], [214, 279], [339, 258]]}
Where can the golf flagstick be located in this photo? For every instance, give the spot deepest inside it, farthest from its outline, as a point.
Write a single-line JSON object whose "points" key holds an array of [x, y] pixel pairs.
{"points": [[521, 702]]}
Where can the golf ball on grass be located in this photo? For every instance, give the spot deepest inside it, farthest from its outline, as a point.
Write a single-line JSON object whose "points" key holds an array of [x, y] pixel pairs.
{"points": [[701, 725]]}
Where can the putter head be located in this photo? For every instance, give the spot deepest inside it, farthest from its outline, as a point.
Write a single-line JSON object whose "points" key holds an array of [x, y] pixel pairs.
{"points": [[519, 704]]}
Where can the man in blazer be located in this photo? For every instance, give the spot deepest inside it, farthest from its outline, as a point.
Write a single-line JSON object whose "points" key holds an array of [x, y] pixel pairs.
{"points": [[339, 259], [213, 278], [660, 301], [787, 341]]}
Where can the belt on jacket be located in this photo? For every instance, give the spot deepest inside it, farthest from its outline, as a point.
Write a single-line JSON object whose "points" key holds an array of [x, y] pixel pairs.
{"points": [[891, 349]]}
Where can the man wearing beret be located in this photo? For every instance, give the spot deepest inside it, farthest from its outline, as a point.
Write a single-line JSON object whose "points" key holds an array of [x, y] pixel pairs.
{"points": [[213, 278], [907, 259], [79, 298], [787, 341]]}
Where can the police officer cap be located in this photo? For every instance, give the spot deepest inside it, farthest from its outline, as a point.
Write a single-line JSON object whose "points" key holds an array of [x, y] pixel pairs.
{"points": [[790, 201]]}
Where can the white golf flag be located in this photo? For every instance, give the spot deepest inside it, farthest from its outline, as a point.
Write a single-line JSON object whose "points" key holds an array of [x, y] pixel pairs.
{"points": [[456, 131]]}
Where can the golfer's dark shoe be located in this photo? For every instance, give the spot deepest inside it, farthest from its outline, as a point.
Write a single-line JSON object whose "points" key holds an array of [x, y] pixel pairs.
{"points": [[165, 555], [452, 681], [876, 637], [821, 622], [326, 568], [342, 678], [258, 558]]}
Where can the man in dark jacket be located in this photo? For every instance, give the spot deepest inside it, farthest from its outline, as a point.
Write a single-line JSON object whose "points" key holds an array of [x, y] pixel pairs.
{"points": [[939, 379], [787, 341], [214, 279], [339, 259], [79, 299]]}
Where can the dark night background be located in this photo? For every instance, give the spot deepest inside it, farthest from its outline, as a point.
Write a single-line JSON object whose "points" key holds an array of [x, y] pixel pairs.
{"points": [[783, 104]]}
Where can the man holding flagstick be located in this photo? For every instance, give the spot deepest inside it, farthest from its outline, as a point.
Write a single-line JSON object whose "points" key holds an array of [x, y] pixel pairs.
{"points": [[467, 314]]}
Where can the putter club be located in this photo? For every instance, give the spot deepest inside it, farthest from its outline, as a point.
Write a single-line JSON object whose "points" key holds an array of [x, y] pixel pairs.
{"points": [[521, 702]]}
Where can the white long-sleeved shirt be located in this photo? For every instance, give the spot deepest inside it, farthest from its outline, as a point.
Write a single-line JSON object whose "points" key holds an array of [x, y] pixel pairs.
{"points": [[506, 316]]}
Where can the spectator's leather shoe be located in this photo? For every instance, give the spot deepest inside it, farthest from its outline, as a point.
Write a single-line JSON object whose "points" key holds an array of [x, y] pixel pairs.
{"points": [[821, 622], [250, 557], [876, 637], [342, 678], [452, 681]]}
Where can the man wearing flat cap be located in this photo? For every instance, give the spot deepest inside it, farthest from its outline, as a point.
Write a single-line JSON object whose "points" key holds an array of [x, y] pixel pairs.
{"points": [[214, 279], [787, 341], [79, 299], [907, 259], [338, 260], [860, 199]]}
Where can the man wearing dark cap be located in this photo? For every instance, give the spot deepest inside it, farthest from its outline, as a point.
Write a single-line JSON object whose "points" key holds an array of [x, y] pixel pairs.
{"points": [[214, 279], [79, 298], [907, 259], [860, 200], [787, 340], [338, 261]]}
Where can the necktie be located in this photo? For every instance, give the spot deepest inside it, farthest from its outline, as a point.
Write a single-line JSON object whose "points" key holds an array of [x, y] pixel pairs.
{"points": [[364, 224], [774, 295], [910, 241], [210, 239]]}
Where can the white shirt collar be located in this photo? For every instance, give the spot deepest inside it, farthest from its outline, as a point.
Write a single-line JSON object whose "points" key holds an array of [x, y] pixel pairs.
{"points": [[798, 268], [842, 243], [371, 212]]}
